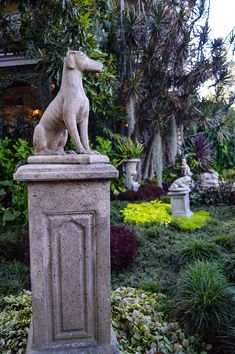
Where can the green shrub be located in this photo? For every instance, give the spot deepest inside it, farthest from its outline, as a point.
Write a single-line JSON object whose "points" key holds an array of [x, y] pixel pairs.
{"points": [[116, 216], [151, 212], [228, 267], [198, 249], [13, 195], [227, 338], [223, 240], [203, 302], [141, 327], [10, 238], [194, 222], [14, 277], [14, 323]]}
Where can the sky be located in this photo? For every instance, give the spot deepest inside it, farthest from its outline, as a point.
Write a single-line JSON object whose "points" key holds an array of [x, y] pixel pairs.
{"points": [[222, 17]]}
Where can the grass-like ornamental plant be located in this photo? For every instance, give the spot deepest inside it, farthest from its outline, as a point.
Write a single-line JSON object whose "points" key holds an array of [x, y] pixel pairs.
{"points": [[128, 149], [198, 250], [194, 222], [148, 191], [124, 246], [151, 212], [141, 327], [203, 302]]}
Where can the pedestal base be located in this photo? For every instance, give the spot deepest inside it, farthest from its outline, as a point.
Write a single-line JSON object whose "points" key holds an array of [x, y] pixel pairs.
{"points": [[69, 229], [180, 202], [75, 348]]}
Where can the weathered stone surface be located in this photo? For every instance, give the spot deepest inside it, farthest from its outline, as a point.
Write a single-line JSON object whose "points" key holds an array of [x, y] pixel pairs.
{"points": [[69, 254], [68, 159], [64, 172], [180, 202]]}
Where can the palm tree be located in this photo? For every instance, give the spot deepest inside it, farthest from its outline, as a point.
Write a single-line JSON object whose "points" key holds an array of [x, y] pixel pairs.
{"points": [[162, 61]]}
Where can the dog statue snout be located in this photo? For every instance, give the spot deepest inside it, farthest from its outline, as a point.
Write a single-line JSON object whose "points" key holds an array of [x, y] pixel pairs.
{"points": [[94, 66]]}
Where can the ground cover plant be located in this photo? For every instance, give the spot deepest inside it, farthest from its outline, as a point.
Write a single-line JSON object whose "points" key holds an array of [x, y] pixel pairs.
{"points": [[166, 252], [137, 318], [160, 213]]}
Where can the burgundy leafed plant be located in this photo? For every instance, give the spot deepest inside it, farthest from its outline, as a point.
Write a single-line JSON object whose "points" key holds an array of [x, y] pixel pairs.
{"points": [[147, 191], [124, 246]]}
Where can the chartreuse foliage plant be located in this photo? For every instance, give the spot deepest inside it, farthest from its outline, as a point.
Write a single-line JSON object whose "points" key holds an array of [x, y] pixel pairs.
{"points": [[151, 212], [194, 222], [141, 327], [203, 301], [14, 323], [160, 213]]}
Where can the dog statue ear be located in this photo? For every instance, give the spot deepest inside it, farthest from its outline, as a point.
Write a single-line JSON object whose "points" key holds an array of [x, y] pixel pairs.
{"points": [[70, 59]]}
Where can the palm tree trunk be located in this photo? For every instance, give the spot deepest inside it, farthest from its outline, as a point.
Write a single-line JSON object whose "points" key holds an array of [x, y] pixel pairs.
{"points": [[130, 110], [172, 142], [153, 162]]}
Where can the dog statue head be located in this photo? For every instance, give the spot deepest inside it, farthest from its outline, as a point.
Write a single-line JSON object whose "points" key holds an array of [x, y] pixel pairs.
{"points": [[78, 60]]}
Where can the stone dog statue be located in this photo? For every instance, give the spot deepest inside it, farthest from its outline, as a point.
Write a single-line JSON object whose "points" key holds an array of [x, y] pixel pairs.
{"points": [[182, 182], [67, 110]]}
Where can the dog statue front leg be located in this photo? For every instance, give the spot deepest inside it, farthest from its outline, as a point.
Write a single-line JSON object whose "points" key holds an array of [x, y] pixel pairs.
{"points": [[84, 136], [70, 123]]}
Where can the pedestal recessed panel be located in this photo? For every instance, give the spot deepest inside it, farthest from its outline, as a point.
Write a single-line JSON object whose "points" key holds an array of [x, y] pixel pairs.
{"points": [[72, 276]]}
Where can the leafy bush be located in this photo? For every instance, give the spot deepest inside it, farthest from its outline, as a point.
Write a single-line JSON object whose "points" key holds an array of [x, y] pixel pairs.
{"points": [[116, 216], [229, 174], [13, 195], [12, 153], [223, 194], [124, 246], [198, 249], [148, 191], [203, 302], [10, 239], [151, 212], [14, 277], [141, 327], [14, 323], [194, 222]]}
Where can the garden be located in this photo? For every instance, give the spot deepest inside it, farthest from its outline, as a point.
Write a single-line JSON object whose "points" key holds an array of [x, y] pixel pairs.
{"points": [[173, 278]]}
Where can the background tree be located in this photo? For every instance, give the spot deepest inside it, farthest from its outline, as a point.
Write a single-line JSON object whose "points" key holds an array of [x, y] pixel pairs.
{"points": [[47, 29], [163, 59]]}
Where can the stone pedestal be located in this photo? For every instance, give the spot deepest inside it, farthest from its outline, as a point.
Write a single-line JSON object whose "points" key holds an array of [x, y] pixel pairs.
{"points": [[69, 208], [180, 202]]}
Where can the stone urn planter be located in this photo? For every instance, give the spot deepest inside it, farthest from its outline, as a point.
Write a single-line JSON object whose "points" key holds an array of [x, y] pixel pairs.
{"points": [[131, 171]]}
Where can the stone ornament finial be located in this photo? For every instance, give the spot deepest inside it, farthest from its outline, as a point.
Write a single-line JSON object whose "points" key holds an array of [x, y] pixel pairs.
{"points": [[67, 110]]}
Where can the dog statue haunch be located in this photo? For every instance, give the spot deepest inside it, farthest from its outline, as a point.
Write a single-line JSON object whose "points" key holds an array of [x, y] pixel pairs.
{"points": [[68, 110]]}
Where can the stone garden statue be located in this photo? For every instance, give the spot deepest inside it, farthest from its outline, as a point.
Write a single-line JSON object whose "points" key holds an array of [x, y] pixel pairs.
{"points": [[67, 110], [181, 183], [210, 179], [185, 168]]}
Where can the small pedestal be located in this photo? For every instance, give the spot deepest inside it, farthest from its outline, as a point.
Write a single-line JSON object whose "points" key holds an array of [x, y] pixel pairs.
{"points": [[180, 202], [69, 207]]}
